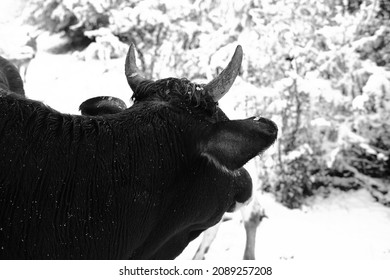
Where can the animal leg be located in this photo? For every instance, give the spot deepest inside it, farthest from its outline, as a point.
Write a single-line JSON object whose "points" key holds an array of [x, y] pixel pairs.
{"points": [[251, 223], [208, 238]]}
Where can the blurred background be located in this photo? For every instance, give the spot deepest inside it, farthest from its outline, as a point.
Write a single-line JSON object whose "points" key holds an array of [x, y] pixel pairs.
{"points": [[319, 68]]}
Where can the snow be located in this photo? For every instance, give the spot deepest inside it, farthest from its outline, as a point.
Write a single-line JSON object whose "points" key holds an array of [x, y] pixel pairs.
{"points": [[63, 82]]}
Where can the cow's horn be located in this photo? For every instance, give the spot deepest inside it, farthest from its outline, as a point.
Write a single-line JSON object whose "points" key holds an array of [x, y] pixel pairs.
{"points": [[221, 84], [133, 74]]}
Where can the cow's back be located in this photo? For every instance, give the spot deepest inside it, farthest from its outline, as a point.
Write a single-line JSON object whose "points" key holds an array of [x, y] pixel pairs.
{"points": [[75, 191]]}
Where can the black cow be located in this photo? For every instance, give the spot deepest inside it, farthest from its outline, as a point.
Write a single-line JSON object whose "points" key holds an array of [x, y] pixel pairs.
{"points": [[103, 105], [138, 184]]}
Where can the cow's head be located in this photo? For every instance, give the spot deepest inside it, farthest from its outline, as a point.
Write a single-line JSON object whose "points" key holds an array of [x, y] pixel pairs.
{"points": [[210, 151], [226, 144]]}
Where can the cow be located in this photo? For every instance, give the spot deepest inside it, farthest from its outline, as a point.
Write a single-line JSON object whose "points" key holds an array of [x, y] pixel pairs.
{"points": [[138, 184], [103, 105], [252, 217]]}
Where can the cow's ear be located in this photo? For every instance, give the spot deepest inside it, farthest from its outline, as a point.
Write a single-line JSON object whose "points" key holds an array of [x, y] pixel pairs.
{"points": [[231, 144], [102, 105]]}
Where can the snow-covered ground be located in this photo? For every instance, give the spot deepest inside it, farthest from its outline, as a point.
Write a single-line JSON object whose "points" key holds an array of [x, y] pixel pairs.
{"points": [[345, 225]]}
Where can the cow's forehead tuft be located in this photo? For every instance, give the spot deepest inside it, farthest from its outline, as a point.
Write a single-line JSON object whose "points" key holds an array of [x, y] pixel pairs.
{"points": [[174, 90]]}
